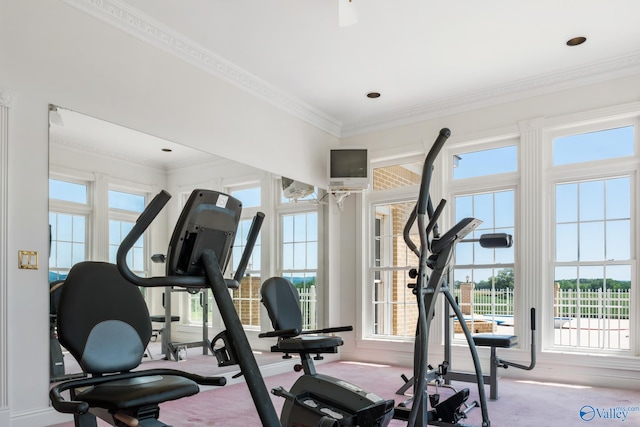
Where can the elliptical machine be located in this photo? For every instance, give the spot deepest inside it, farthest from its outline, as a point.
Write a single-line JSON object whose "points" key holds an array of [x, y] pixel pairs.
{"points": [[435, 252], [314, 393]]}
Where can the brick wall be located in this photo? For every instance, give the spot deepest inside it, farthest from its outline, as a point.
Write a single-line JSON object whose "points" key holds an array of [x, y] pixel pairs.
{"points": [[405, 311], [247, 300]]}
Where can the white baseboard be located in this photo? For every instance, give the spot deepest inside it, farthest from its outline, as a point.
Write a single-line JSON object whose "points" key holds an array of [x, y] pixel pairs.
{"points": [[39, 417], [4, 418]]}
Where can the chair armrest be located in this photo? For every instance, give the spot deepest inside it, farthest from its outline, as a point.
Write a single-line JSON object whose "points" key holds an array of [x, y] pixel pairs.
{"points": [[328, 330], [79, 407], [66, 406], [287, 333], [199, 379]]}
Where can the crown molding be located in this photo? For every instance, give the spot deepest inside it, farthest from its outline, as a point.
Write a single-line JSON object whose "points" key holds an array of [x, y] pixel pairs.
{"points": [[134, 22], [525, 88]]}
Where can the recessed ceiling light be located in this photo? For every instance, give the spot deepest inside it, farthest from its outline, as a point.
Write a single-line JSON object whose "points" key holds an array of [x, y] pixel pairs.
{"points": [[373, 95], [167, 150], [576, 41]]}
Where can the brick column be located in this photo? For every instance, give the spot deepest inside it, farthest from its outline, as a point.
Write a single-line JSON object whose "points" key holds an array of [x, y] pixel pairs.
{"points": [[466, 297]]}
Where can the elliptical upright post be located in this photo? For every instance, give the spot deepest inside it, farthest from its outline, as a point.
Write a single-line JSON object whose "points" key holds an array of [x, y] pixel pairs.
{"points": [[434, 253]]}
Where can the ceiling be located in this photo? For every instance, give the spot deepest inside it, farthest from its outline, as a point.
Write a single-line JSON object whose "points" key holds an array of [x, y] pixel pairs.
{"points": [[78, 131], [425, 58]]}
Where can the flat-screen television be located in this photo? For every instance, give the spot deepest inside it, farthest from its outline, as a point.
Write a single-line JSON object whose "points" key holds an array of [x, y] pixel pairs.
{"points": [[348, 169]]}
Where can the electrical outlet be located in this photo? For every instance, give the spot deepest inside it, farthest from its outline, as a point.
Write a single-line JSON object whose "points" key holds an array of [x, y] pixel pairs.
{"points": [[28, 260]]}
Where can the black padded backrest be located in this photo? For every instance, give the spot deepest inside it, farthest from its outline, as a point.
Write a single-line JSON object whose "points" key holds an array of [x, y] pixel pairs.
{"points": [[102, 319], [55, 289], [282, 301]]}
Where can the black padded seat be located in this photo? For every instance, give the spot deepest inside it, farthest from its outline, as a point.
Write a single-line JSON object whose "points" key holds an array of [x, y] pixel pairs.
{"points": [[491, 340], [138, 392], [313, 344]]}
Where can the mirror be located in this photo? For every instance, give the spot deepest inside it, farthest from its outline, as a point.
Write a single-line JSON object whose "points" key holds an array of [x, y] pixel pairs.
{"points": [[101, 177]]}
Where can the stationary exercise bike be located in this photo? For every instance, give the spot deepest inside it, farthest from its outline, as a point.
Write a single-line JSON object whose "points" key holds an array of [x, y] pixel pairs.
{"points": [[104, 322], [315, 399], [197, 255]]}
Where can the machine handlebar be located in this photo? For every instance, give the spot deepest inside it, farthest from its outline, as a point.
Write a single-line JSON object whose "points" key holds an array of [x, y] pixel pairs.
{"points": [[427, 169], [142, 223]]}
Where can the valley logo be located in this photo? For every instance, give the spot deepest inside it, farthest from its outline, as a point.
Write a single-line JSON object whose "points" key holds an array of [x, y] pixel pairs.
{"points": [[617, 413]]}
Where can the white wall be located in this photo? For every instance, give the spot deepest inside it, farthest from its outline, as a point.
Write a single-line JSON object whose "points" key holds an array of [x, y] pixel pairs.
{"points": [[52, 53]]}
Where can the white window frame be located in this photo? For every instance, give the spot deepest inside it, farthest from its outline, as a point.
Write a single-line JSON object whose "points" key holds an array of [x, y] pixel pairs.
{"points": [[79, 209], [131, 216], [248, 213], [301, 207], [405, 194], [595, 170]]}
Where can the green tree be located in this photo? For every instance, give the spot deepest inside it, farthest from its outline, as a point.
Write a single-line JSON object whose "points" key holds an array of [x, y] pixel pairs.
{"points": [[503, 280]]}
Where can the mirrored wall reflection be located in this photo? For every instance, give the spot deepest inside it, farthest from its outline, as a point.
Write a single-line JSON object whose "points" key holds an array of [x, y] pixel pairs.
{"points": [[101, 177]]}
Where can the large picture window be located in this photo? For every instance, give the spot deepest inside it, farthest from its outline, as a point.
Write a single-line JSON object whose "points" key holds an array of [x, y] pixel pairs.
{"points": [[394, 311], [483, 279], [594, 223], [300, 260], [592, 275]]}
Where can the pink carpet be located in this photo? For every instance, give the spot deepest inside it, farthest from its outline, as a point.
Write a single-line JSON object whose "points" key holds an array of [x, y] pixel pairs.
{"points": [[521, 403]]}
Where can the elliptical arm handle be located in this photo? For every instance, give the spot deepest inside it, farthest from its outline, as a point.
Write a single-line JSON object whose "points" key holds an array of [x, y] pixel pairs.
{"points": [[254, 230], [142, 223], [424, 204], [427, 169], [407, 229]]}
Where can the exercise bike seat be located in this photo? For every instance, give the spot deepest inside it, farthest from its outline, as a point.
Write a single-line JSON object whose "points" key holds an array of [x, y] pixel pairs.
{"points": [[104, 323], [282, 302]]}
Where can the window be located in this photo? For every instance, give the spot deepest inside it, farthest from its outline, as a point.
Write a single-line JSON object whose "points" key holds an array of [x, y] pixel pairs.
{"points": [[69, 213], [485, 162], [483, 279], [600, 145], [250, 197], [594, 222], [68, 191], [68, 243], [247, 297], [124, 209], [394, 311], [300, 260], [126, 201], [593, 265]]}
